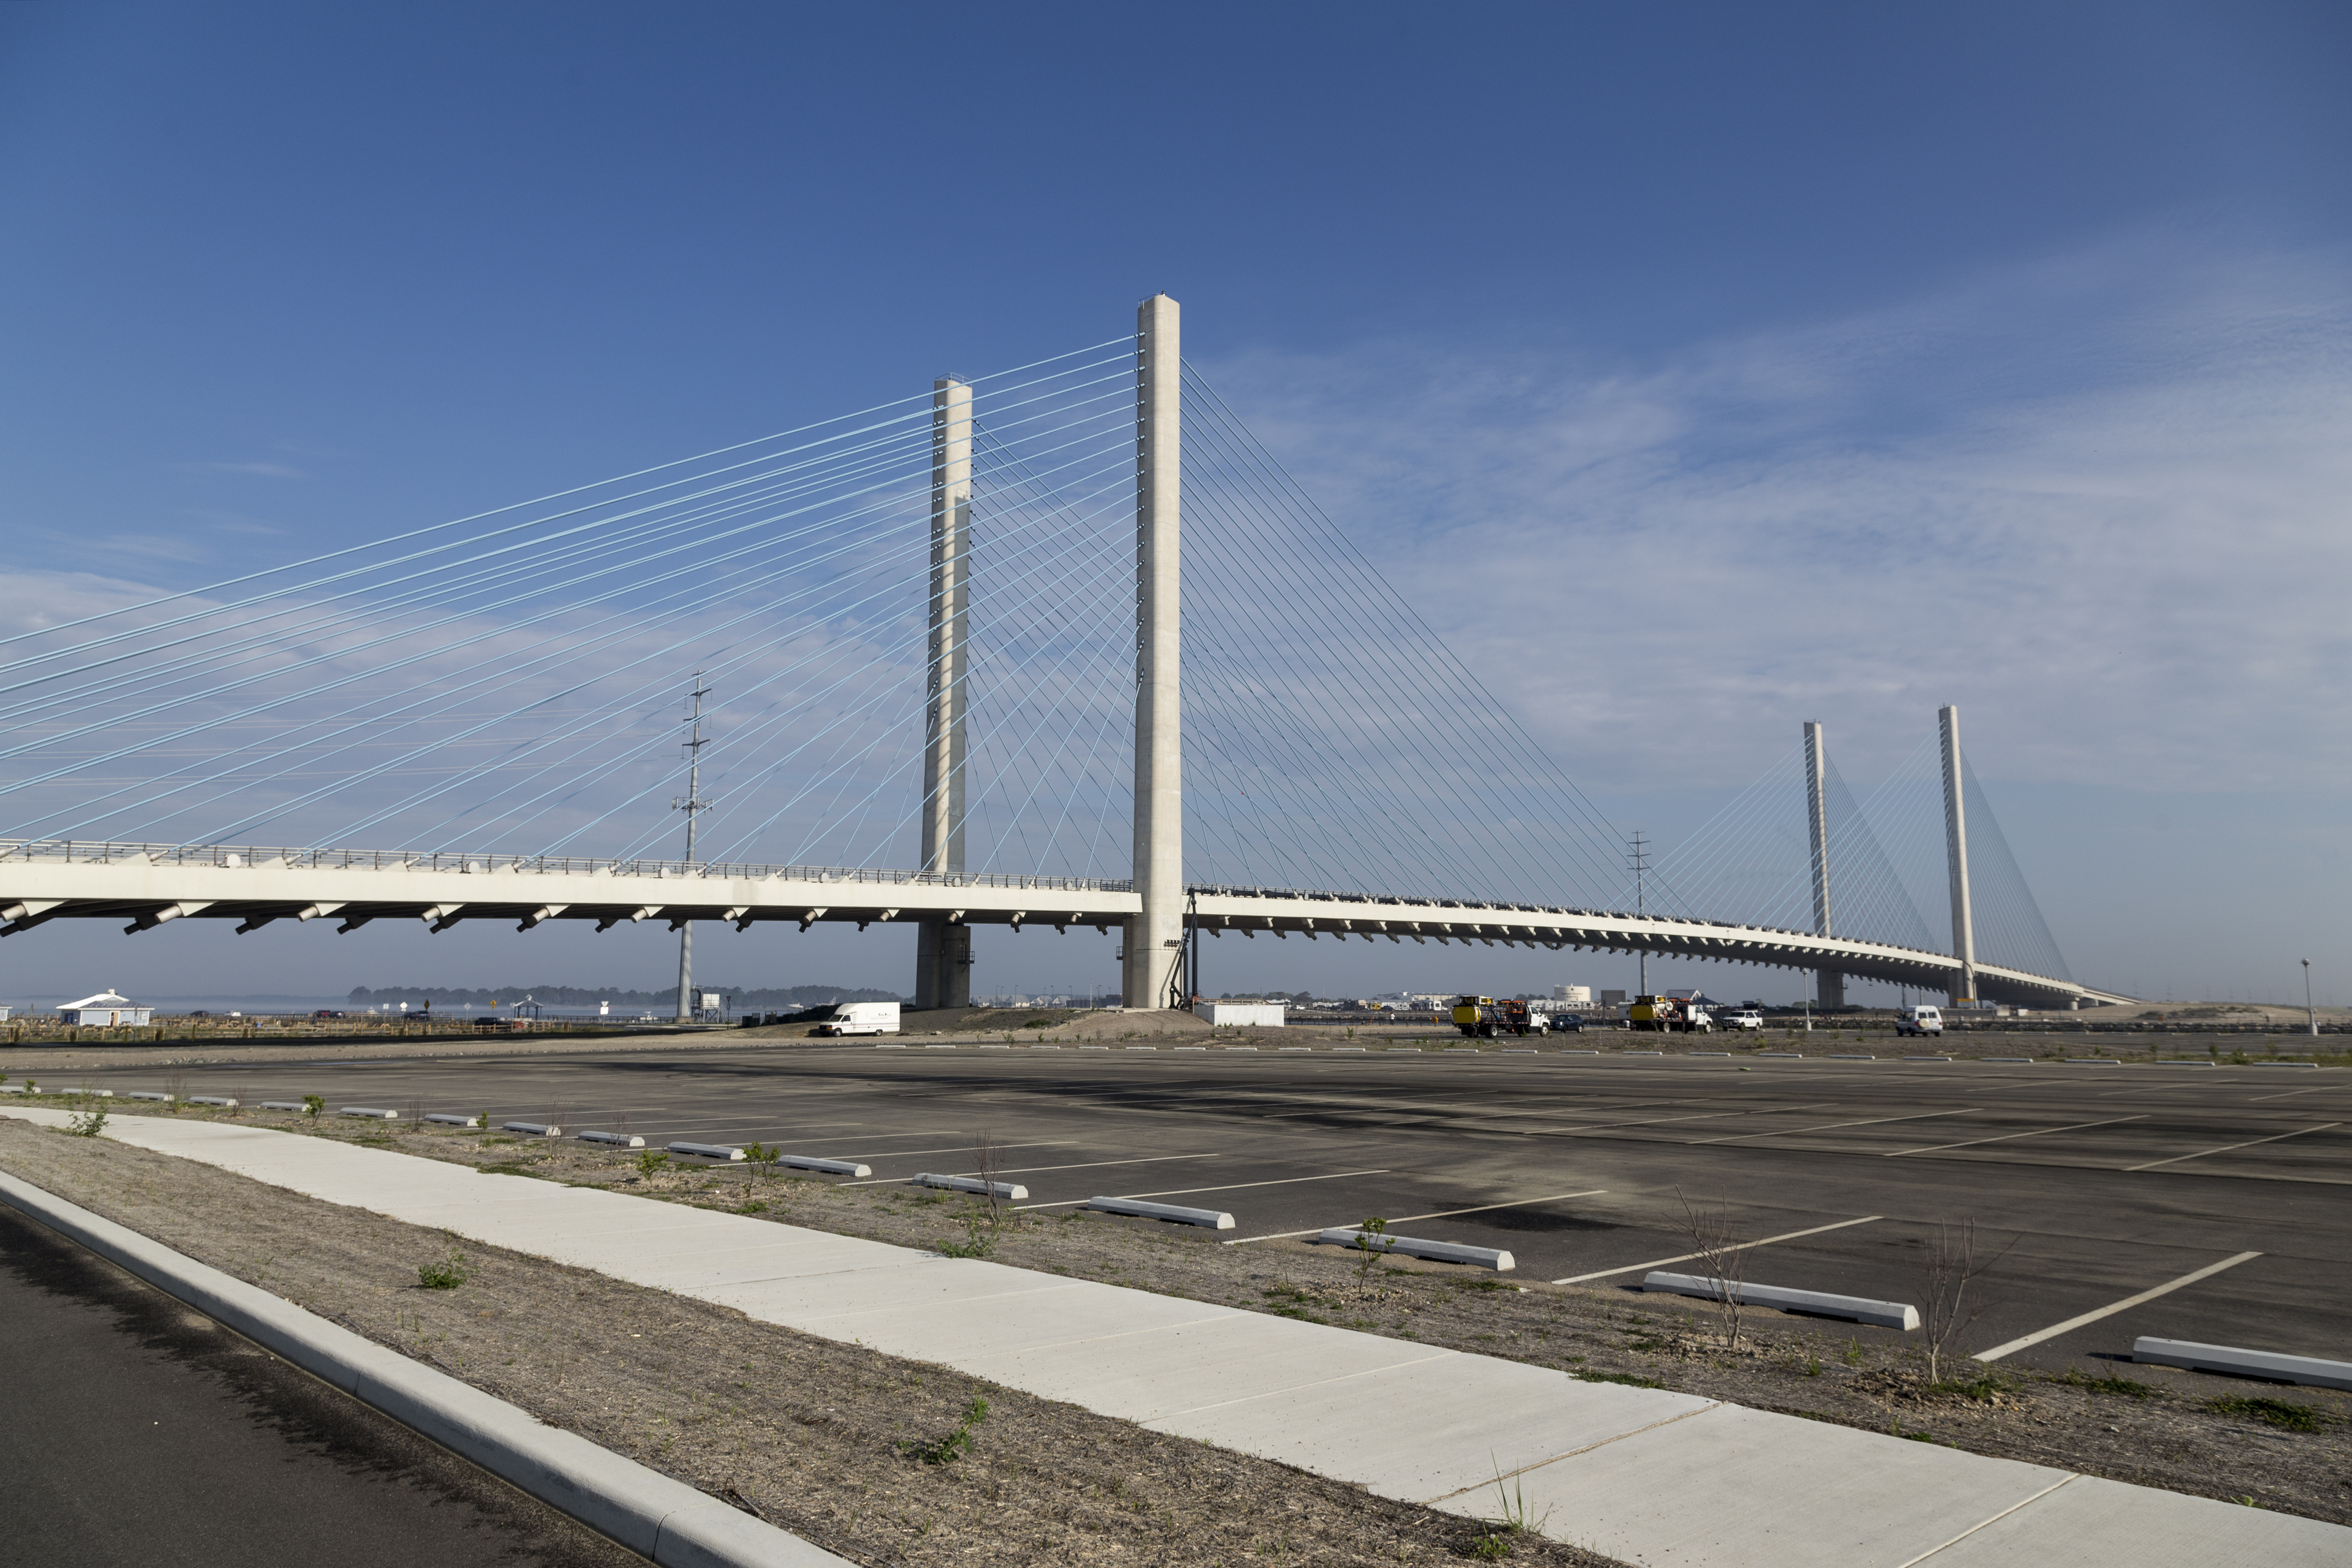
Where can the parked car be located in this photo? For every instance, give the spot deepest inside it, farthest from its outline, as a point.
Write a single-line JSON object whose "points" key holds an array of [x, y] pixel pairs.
{"points": [[1746, 1018], [1919, 1019], [329, 1013]]}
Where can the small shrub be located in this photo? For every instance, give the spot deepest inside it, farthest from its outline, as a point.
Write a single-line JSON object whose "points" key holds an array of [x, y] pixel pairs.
{"points": [[651, 1161], [89, 1121], [446, 1275], [757, 1206], [980, 1240], [314, 1104], [2281, 1413], [956, 1444]]}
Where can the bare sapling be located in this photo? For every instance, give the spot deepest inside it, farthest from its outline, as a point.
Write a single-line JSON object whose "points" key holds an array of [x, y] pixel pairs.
{"points": [[1372, 1243], [1716, 1246], [1950, 1307], [987, 1163]]}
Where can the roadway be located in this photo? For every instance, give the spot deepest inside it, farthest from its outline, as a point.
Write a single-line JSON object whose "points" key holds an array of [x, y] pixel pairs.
{"points": [[140, 1432], [2105, 1182]]}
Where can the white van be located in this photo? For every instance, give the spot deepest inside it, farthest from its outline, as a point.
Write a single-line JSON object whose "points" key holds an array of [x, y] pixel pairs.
{"points": [[1919, 1020], [861, 1017]]}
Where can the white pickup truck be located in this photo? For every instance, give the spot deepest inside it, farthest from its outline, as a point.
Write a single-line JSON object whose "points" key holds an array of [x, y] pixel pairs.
{"points": [[1745, 1018]]}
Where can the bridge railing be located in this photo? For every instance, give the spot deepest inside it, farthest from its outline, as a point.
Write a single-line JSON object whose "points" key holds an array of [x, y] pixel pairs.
{"points": [[237, 855]]}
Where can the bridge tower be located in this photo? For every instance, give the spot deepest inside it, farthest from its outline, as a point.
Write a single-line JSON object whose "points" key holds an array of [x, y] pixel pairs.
{"points": [[943, 948], [1155, 937], [1829, 984], [1956, 848]]}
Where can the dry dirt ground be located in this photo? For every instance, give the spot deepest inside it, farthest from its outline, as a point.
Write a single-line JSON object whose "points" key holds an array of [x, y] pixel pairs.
{"points": [[2273, 1447], [881, 1460]]}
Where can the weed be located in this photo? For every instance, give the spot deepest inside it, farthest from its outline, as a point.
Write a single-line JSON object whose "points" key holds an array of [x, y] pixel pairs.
{"points": [[979, 1241], [1491, 1547], [2128, 1388], [1812, 1366], [757, 1206], [2281, 1413], [759, 1161], [89, 1120], [1627, 1378], [650, 1162], [1985, 1388], [1372, 1242], [955, 1445], [312, 1104], [1514, 1504], [446, 1275], [1853, 1353], [1482, 1285]]}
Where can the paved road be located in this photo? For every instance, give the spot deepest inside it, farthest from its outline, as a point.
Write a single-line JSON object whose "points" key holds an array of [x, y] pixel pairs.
{"points": [[139, 1431], [2103, 1182]]}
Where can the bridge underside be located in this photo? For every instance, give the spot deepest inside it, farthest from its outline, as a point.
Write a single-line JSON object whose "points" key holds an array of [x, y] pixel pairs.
{"points": [[144, 887]]}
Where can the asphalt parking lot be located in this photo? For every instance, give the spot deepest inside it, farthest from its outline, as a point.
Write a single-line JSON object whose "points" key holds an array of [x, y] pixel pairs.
{"points": [[2211, 1192]]}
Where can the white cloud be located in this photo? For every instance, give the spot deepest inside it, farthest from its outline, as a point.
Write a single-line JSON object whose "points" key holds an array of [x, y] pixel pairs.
{"points": [[2103, 509]]}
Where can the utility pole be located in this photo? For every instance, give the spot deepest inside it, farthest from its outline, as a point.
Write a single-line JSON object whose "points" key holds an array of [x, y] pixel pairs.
{"points": [[692, 804], [2310, 1014], [1638, 857]]}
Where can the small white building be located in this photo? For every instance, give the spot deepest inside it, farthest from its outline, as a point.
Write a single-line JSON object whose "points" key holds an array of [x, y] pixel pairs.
{"points": [[1243, 1015], [105, 1010], [1575, 996]]}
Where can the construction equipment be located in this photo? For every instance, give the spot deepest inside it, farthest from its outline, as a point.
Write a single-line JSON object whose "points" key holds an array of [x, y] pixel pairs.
{"points": [[1676, 1015], [1484, 1018]]}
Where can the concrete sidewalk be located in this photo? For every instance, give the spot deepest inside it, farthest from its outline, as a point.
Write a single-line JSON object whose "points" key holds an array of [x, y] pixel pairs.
{"points": [[1648, 1476]]}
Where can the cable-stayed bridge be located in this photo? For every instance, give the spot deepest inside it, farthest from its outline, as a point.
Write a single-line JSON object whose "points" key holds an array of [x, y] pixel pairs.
{"points": [[1060, 645]]}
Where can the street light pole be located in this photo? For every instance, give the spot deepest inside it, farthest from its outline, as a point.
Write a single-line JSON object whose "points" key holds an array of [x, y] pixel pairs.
{"points": [[2309, 1014]]}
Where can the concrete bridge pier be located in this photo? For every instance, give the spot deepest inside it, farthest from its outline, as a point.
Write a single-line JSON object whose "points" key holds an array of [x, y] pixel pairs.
{"points": [[1155, 936], [942, 947], [1829, 984]]}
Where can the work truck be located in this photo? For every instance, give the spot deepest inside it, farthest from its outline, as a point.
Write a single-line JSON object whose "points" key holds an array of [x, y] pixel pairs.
{"points": [[1484, 1018], [1675, 1015]]}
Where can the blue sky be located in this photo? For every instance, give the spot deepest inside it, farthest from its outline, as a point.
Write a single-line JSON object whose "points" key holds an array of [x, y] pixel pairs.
{"points": [[1803, 363]]}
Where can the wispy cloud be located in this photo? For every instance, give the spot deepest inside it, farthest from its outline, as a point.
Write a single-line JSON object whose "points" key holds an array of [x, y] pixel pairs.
{"points": [[2102, 506]]}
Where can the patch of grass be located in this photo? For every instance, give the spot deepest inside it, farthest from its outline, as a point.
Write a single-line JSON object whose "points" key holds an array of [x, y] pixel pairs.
{"points": [[956, 1444], [1479, 1284], [1627, 1378], [1853, 1353], [1982, 1387], [2123, 1388], [2284, 1414], [979, 1242], [757, 1206], [446, 1275]]}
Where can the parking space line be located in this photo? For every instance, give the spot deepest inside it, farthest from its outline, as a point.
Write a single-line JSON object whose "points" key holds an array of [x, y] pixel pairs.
{"points": [[2034, 1133], [1409, 1218], [2291, 1093], [1187, 1191], [1028, 1170], [1826, 1126], [953, 1149], [2054, 1330], [1700, 1116], [1686, 1257], [2225, 1148]]}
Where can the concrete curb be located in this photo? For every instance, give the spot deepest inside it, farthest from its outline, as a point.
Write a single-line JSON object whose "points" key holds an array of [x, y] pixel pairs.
{"points": [[1820, 1303], [824, 1166], [1212, 1219], [1013, 1190], [645, 1511], [1501, 1261], [2266, 1363]]}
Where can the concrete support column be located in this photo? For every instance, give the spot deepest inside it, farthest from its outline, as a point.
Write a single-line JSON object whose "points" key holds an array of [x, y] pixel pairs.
{"points": [[943, 952], [1828, 987], [1155, 937], [1956, 850]]}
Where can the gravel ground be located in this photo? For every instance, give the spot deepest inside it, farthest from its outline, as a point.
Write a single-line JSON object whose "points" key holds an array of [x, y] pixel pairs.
{"points": [[2282, 1447], [856, 1451]]}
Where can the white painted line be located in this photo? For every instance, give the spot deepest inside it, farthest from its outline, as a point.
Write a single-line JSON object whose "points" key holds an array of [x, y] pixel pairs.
{"points": [[1441, 1213], [957, 1149], [2323, 1089], [1825, 1126], [2035, 1133], [1686, 1257], [1699, 1116], [2013, 1347], [1237, 1186], [2225, 1148]]}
